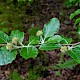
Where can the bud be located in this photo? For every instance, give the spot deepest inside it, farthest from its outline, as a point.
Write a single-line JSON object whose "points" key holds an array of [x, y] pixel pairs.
{"points": [[39, 33], [15, 40], [9, 46], [63, 49]]}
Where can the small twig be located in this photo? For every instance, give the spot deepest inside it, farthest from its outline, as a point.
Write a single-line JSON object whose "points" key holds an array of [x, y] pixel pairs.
{"points": [[76, 44], [71, 44], [2, 44], [67, 44]]}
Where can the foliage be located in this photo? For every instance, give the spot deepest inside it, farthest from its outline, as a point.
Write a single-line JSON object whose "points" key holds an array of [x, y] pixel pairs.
{"points": [[47, 40], [36, 72], [77, 21], [77, 12], [68, 64], [70, 3], [33, 30], [15, 76], [32, 76]]}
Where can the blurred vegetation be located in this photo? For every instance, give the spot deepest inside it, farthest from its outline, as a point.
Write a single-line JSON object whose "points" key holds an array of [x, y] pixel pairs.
{"points": [[70, 3], [13, 14], [15, 76], [10, 15], [37, 72]]}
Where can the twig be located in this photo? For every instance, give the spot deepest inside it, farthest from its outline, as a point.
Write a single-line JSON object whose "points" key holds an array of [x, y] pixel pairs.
{"points": [[71, 44], [2, 44]]}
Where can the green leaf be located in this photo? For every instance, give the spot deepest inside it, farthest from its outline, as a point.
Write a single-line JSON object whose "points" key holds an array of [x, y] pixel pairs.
{"points": [[75, 53], [66, 40], [6, 56], [3, 37], [18, 34], [55, 39], [68, 64], [29, 52], [68, 4], [74, 14], [46, 46], [51, 28], [77, 21], [34, 40]]}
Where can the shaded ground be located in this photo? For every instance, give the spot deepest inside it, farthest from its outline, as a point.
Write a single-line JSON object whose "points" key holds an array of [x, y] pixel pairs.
{"points": [[37, 17]]}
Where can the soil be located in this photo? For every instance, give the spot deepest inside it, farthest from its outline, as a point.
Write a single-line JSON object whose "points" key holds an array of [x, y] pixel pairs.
{"points": [[46, 9]]}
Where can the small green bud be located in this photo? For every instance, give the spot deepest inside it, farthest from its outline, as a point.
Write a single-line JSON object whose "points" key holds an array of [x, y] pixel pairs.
{"points": [[15, 40], [9, 46], [39, 33], [63, 49]]}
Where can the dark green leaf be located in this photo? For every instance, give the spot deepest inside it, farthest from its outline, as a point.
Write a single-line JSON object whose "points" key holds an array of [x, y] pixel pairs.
{"points": [[51, 28], [34, 40], [29, 52], [32, 31], [49, 46], [77, 21]]}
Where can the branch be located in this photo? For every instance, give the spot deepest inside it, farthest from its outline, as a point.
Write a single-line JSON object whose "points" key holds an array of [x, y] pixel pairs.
{"points": [[71, 44], [2, 44]]}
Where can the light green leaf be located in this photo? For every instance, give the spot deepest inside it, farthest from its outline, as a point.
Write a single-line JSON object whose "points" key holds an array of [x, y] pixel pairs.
{"points": [[55, 39], [75, 53], [6, 56], [49, 46], [77, 21], [51, 28], [66, 40], [29, 52], [3, 37], [18, 34], [74, 14], [34, 40]]}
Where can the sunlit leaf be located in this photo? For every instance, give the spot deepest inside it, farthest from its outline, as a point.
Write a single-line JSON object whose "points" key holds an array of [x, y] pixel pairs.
{"points": [[51, 28]]}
